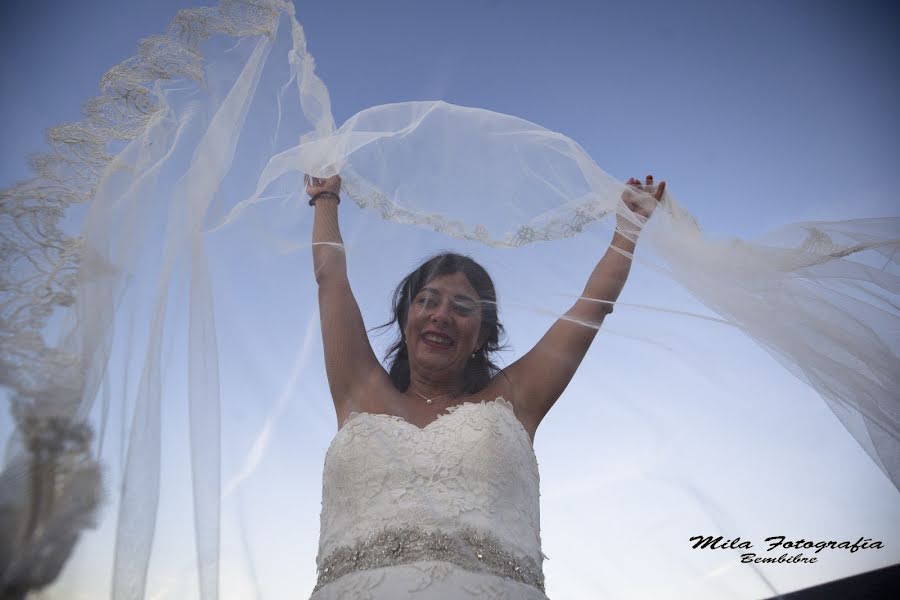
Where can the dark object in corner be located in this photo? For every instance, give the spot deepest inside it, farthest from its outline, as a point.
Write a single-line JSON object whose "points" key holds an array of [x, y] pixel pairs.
{"points": [[881, 584]]}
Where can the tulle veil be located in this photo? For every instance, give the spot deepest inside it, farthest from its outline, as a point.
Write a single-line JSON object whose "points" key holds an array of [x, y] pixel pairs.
{"points": [[161, 356]]}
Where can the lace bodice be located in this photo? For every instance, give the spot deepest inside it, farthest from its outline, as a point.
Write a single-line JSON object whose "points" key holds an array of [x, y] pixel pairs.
{"points": [[469, 475]]}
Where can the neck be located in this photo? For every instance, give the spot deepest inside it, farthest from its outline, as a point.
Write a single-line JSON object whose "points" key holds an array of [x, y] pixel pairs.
{"points": [[437, 391]]}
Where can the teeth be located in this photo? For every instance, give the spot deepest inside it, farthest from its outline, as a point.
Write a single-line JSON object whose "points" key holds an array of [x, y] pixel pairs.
{"points": [[437, 339]]}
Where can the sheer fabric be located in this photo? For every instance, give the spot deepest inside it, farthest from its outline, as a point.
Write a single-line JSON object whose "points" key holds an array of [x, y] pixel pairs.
{"points": [[159, 303]]}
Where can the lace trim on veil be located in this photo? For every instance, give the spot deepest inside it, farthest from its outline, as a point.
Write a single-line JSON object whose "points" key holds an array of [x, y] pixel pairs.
{"points": [[48, 271]]}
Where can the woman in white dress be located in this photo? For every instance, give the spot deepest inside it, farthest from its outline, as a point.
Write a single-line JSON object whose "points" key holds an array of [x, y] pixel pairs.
{"points": [[431, 484]]}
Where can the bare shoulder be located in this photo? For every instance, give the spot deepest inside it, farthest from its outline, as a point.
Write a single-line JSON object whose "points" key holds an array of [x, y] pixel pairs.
{"points": [[376, 394], [502, 385]]}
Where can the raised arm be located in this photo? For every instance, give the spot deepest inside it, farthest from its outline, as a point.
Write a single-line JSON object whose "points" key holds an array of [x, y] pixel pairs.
{"points": [[352, 367], [539, 377]]}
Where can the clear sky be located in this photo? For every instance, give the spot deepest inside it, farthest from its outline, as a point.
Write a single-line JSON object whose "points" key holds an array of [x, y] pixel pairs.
{"points": [[757, 114]]}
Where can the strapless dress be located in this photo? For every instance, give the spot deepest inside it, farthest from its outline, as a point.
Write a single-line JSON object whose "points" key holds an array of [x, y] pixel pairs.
{"points": [[450, 510]]}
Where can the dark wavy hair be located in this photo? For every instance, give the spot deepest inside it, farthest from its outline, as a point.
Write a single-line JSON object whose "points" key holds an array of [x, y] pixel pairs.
{"points": [[480, 368]]}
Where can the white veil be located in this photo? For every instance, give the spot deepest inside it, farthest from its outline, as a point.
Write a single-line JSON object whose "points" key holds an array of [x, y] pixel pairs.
{"points": [[160, 345]]}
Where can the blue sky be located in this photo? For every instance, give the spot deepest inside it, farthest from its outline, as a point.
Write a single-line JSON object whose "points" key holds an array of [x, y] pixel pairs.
{"points": [[757, 114], [765, 103]]}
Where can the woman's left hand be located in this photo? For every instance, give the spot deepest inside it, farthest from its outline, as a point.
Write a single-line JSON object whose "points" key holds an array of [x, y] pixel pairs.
{"points": [[641, 199], [631, 195]]}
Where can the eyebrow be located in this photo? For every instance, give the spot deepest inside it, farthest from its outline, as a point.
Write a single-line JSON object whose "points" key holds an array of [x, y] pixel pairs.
{"points": [[456, 297]]}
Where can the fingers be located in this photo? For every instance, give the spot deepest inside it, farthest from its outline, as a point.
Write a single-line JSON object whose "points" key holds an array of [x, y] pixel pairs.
{"points": [[658, 193], [319, 181]]}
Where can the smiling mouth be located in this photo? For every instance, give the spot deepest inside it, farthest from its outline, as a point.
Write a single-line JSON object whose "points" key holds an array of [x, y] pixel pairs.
{"points": [[437, 341]]}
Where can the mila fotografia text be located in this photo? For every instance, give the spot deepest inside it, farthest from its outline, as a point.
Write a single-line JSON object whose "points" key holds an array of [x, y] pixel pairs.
{"points": [[780, 549]]}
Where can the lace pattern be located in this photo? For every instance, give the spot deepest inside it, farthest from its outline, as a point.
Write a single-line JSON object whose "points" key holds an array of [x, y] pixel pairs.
{"points": [[54, 380], [560, 224], [465, 485]]}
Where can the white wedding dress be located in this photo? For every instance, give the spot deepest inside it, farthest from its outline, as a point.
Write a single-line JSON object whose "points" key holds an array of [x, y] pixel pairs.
{"points": [[446, 511]]}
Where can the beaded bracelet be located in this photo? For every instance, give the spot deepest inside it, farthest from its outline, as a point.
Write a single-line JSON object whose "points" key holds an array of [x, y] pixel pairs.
{"points": [[312, 201]]}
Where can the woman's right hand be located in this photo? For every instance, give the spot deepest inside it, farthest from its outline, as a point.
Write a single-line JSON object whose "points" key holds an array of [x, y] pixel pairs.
{"points": [[315, 185]]}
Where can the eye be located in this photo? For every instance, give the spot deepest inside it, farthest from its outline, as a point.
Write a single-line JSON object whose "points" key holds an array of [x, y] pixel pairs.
{"points": [[426, 301], [463, 309]]}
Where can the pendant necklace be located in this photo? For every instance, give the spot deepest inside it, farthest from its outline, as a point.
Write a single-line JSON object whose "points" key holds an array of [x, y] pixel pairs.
{"points": [[430, 400]]}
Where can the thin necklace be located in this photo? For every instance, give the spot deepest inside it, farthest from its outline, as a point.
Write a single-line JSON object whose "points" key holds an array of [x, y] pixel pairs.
{"points": [[430, 400]]}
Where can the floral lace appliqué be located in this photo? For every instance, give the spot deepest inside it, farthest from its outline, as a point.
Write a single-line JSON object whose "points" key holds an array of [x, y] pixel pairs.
{"points": [[473, 468]]}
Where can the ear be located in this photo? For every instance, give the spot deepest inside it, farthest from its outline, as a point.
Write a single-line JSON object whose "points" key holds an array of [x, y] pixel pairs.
{"points": [[482, 338]]}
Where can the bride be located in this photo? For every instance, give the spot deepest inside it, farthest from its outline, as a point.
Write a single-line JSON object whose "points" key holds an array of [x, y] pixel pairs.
{"points": [[430, 488], [150, 350]]}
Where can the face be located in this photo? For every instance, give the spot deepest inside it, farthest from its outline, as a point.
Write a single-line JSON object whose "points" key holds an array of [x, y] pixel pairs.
{"points": [[443, 326]]}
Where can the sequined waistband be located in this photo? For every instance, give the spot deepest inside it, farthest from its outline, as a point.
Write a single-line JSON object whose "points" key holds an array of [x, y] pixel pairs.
{"points": [[467, 548]]}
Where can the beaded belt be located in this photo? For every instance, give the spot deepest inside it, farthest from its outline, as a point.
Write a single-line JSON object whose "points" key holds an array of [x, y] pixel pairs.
{"points": [[467, 548]]}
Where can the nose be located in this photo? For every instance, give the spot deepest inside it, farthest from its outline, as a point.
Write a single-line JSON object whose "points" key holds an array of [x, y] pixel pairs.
{"points": [[441, 313]]}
